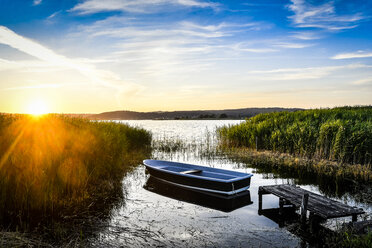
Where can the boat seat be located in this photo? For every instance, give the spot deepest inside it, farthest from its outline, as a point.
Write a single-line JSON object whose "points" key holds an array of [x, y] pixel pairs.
{"points": [[191, 171]]}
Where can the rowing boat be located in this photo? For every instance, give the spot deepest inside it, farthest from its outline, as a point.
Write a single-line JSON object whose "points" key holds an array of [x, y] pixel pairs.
{"points": [[225, 203], [200, 178]]}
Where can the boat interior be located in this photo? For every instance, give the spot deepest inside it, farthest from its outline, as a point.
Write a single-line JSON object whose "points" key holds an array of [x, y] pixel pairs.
{"points": [[198, 172]]}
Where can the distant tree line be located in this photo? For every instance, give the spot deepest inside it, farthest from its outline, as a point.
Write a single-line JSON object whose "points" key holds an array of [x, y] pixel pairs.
{"points": [[213, 116], [186, 115], [203, 116], [343, 134]]}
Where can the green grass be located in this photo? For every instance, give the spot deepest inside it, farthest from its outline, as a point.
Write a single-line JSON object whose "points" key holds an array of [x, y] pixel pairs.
{"points": [[347, 238], [53, 167], [342, 135], [351, 240]]}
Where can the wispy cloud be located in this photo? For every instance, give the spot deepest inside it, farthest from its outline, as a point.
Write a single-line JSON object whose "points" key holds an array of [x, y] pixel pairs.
{"points": [[247, 47], [365, 81], [53, 15], [324, 16], [41, 66], [168, 49], [305, 35], [101, 77], [38, 86], [292, 45], [28, 66], [353, 55], [262, 4], [303, 73], [137, 6], [37, 2]]}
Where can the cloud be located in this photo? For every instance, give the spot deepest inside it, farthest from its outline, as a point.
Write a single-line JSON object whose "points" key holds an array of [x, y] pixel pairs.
{"points": [[37, 2], [7, 65], [101, 77], [358, 54], [121, 27], [306, 35], [28, 66], [41, 66], [38, 86], [303, 73], [324, 16], [243, 47], [137, 6], [292, 45], [365, 81], [158, 51], [163, 50], [53, 15]]}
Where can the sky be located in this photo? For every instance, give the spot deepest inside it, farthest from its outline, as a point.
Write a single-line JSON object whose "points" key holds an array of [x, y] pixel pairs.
{"points": [[92, 56]]}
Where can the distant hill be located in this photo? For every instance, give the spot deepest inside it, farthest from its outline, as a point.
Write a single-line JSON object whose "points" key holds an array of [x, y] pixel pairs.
{"points": [[194, 114]]}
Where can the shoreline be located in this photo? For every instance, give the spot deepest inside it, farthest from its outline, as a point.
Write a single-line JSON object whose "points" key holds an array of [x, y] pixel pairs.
{"points": [[355, 172]]}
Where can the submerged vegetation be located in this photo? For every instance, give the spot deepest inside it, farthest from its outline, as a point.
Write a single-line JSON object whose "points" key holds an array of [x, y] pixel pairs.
{"points": [[338, 138], [203, 147], [53, 167]]}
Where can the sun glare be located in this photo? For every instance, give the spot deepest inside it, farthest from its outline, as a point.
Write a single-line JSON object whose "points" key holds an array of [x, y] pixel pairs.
{"points": [[37, 108]]}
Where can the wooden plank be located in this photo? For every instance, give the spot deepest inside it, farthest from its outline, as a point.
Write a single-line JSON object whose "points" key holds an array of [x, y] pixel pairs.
{"points": [[319, 205]]}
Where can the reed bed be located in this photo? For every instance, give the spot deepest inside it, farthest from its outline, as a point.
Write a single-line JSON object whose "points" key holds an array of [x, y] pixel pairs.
{"points": [[340, 134], [204, 147], [284, 162], [333, 142], [54, 168]]}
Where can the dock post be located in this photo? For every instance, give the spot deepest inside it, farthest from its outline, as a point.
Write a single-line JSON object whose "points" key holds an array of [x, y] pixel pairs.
{"points": [[259, 200], [355, 217], [314, 222], [281, 205], [305, 199]]}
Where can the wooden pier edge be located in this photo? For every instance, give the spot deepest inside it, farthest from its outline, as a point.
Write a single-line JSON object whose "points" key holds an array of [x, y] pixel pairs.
{"points": [[320, 207]]}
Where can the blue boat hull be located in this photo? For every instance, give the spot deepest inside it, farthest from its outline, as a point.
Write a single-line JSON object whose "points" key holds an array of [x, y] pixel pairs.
{"points": [[209, 200], [202, 179]]}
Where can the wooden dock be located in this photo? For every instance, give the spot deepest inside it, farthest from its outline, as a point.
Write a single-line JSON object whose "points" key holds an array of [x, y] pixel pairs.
{"points": [[320, 207]]}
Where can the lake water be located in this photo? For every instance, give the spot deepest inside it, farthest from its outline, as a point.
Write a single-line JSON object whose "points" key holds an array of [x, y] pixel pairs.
{"points": [[151, 218]]}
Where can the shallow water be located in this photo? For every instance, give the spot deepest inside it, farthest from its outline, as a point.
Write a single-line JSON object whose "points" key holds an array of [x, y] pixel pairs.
{"points": [[147, 218]]}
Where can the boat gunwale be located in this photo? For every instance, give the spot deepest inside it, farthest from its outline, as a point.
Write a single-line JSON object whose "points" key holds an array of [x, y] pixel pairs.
{"points": [[238, 178]]}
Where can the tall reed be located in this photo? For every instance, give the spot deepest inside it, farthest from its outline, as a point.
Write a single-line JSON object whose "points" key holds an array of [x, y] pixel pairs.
{"points": [[54, 165], [341, 134]]}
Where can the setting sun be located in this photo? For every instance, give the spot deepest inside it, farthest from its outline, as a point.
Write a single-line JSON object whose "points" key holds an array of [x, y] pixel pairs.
{"points": [[37, 107]]}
